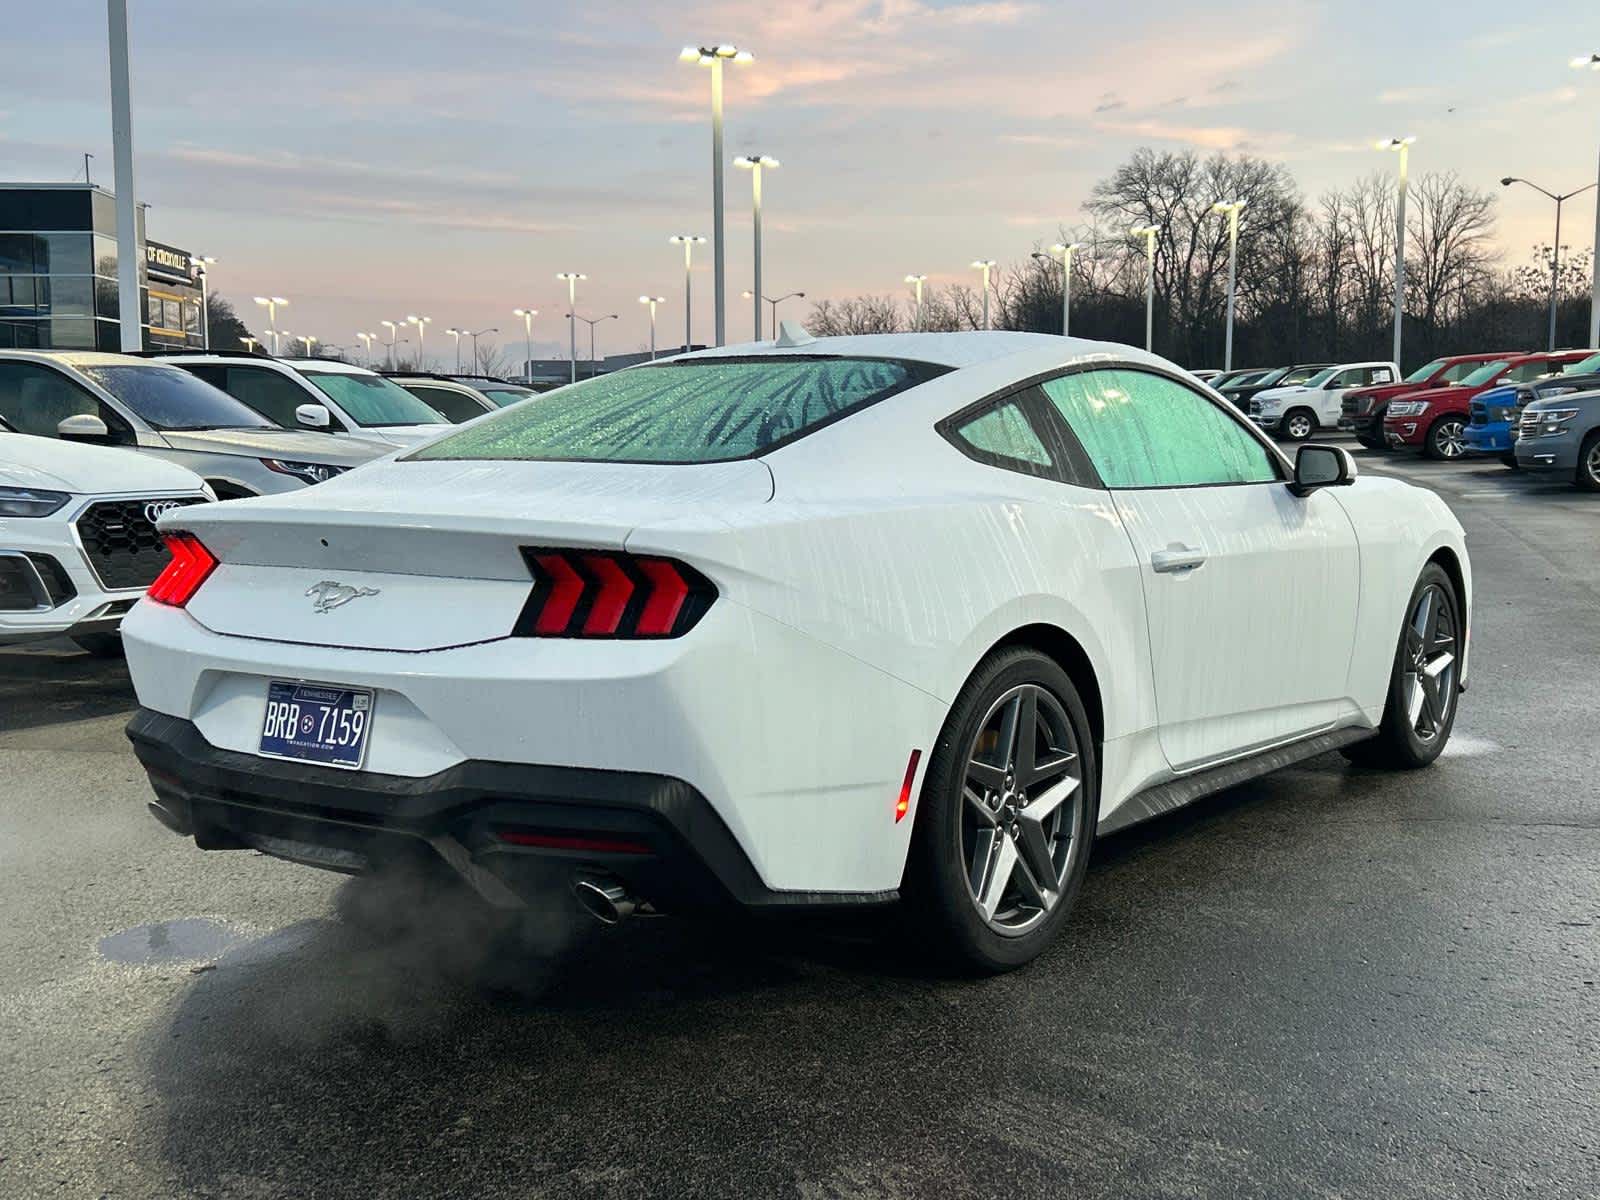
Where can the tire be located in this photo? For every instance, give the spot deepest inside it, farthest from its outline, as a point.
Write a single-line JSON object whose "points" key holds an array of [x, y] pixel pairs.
{"points": [[1509, 460], [955, 824], [1587, 476], [1371, 443], [101, 645], [1298, 425], [1444, 441], [1405, 741]]}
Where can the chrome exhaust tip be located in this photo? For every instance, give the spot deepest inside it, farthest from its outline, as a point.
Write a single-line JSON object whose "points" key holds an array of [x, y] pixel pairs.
{"points": [[606, 900]]}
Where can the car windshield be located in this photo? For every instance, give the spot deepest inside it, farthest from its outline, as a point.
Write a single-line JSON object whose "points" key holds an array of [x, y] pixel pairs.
{"points": [[1303, 375], [1584, 366], [172, 399], [1485, 373], [501, 397], [373, 400], [1317, 380], [690, 411], [1425, 372], [1263, 379]]}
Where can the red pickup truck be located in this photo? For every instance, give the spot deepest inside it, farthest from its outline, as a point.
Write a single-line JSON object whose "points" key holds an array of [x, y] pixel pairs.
{"points": [[1434, 420], [1362, 409]]}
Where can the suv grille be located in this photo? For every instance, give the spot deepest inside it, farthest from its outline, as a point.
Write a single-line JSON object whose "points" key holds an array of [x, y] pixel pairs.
{"points": [[1530, 422], [121, 542]]}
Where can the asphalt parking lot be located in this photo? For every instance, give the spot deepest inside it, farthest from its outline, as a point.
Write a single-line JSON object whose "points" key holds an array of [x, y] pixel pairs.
{"points": [[1326, 983]]}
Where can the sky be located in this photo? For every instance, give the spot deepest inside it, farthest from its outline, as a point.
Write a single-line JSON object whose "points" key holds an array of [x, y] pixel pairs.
{"points": [[372, 160]]}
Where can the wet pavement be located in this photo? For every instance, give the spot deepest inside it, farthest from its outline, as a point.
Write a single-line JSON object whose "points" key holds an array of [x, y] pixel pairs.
{"points": [[1329, 982]]}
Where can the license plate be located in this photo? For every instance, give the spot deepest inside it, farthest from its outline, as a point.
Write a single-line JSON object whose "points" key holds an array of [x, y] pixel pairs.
{"points": [[317, 723]]}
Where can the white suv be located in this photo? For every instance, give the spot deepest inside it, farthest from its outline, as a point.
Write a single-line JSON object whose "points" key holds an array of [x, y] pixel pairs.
{"points": [[319, 393], [78, 540], [1295, 413]]}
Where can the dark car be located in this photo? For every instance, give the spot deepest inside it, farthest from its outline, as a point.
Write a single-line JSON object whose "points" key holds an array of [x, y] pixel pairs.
{"points": [[1240, 393]]}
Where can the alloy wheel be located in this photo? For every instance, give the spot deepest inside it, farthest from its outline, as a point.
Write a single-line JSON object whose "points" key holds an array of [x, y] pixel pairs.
{"points": [[1591, 464], [1429, 677], [1299, 427], [1450, 439], [1019, 822]]}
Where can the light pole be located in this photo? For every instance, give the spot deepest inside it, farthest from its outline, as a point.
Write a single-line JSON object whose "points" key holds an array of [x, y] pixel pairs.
{"points": [[571, 278], [1403, 146], [591, 322], [918, 281], [457, 334], [774, 303], [688, 241], [714, 57], [272, 304], [201, 262], [366, 340], [1592, 63], [475, 336], [250, 344], [527, 315], [1149, 232], [755, 164], [1231, 208], [652, 301], [394, 337], [307, 341], [422, 348], [1064, 251], [129, 253], [985, 265], [1555, 253]]}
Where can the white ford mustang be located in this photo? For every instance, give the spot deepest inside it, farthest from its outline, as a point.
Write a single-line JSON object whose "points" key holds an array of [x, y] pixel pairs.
{"points": [[807, 622]]}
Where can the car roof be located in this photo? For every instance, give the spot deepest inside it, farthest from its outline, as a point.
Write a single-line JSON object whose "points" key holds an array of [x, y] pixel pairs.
{"points": [[83, 358], [960, 349], [330, 365]]}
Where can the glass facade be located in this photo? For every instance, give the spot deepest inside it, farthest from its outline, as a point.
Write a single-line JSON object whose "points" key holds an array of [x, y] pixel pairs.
{"points": [[58, 274]]}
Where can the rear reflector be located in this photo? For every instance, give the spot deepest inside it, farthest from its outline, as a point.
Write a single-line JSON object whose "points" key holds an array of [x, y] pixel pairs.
{"points": [[608, 594], [903, 805], [590, 843], [190, 566]]}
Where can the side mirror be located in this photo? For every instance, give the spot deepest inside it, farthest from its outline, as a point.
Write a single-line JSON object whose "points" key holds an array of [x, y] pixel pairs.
{"points": [[313, 416], [84, 427], [1322, 466]]}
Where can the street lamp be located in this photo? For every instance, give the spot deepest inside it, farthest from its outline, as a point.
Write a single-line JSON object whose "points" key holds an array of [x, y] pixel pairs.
{"points": [[747, 294], [1555, 255], [918, 281], [571, 278], [475, 336], [307, 341], [652, 301], [714, 57], [366, 340], [1148, 233], [1403, 146], [985, 265], [250, 344], [1064, 252], [527, 315], [201, 262], [458, 334], [688, 241], [422, 349], [591, 322], [1592, 62], [1231, 208], [394, 337], [755, 164], [272, 304]]}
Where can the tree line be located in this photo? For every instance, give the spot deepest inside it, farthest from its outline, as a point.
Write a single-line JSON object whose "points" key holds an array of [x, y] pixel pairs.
{"points": [[1315, 279]]}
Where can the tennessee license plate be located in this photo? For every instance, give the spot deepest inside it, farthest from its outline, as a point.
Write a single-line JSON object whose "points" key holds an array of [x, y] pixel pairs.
{"points": [[317, 723]]}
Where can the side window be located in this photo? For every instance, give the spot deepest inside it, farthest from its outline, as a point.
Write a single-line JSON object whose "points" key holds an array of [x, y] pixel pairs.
{"points": [[1529, 370], [1352, 377], [269, 393], [453, 406], [1004, 437], [1379, 375], [35, 399], [1144, 430]]}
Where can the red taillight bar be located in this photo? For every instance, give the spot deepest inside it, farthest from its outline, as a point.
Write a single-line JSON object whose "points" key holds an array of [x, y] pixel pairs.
{"points": [[610, 594], [190, 566]]}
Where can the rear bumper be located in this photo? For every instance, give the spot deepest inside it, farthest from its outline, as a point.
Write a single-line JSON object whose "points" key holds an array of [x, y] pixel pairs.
{"points": [[656, 834]]}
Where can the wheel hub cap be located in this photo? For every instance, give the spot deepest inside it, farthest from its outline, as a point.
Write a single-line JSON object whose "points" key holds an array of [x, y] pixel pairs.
{"points": [[1429, 684]]}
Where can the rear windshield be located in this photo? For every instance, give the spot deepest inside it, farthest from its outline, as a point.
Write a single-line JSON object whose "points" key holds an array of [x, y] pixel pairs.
{"points": [[373, 400], [504, 396], [691, 411]]}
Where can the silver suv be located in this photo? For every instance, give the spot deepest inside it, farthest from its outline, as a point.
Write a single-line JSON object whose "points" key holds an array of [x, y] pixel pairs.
{"points": [[1562, 434], [121, 400]]}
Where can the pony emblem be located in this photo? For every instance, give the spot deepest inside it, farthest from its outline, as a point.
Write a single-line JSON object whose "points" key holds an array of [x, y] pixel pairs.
{"points": [[329, 594]]}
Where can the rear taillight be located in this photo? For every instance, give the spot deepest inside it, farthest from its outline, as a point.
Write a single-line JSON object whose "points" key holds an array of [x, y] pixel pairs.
{"points": [[607, 594], [190, 566]]}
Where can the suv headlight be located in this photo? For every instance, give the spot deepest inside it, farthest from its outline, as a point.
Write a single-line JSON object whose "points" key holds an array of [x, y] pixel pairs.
{"points": [[1408, 408], [307, 472], [1554, 421], [30, 502]]}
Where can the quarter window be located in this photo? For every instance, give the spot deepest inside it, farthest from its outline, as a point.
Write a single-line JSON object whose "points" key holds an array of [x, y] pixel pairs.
{"points": [[1005, 432], [1143, 430]]}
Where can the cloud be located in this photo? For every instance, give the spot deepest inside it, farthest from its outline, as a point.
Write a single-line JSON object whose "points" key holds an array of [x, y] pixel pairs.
{"points": [[1110, 102]]}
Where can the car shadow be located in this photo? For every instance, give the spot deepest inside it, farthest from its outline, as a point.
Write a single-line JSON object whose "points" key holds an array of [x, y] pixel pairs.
{"points": [[53, 682]]}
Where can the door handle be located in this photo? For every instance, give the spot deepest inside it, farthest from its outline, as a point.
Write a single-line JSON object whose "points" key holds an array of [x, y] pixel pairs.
{"points": [[1177, 558]]}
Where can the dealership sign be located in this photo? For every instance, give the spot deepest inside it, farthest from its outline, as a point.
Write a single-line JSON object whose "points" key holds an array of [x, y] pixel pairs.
{"points": [[166, 262]]}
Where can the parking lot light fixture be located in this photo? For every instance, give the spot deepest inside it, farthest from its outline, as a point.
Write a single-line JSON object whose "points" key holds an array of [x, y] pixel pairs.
{"points": [[1555, 252], [591, 322], [272, 304], [1402, 146], [250, 344], [571, 279], [917, 281], [1149, 234], [422, 341], [394, 336], [688, 241], [1062, 252], [307, 341], [652, 301], [985, 265], [1230, 209], [527, 315], [201, 263], [714, 57], [1591, 62], [475, 335], [458, 334], [366, 340], [756, 164]]}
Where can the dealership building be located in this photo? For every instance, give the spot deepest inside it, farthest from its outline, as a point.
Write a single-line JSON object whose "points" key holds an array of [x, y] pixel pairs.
{"points": [[58, 274]]}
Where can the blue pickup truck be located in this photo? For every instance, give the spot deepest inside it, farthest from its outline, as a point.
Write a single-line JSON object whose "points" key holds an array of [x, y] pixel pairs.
{"points": [[1493, 414]]}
